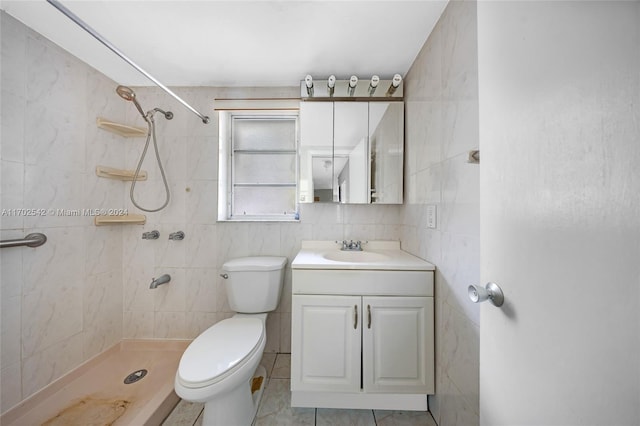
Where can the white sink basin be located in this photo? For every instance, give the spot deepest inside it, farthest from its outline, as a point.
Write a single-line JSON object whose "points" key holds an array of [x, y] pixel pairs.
{"points": [[355, 256], [376, 255]]}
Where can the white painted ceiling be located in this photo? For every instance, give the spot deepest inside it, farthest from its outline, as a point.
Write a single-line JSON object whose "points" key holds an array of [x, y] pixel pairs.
{"points": [[237, 43]]}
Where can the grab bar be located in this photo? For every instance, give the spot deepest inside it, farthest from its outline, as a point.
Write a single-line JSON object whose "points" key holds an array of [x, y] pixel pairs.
{"points": [[69, 14], [32, 240]]}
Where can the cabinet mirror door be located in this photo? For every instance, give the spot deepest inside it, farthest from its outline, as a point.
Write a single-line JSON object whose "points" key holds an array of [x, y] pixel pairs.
{"points": [[351, 152], [316, 152], [386, 146]]}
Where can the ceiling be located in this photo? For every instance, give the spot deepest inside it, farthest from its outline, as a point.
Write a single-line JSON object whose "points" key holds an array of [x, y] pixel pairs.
{"points": [[238, 43]]}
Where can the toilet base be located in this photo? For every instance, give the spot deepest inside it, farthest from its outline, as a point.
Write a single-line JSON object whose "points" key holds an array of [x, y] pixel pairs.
{"points": [[235, 408]]}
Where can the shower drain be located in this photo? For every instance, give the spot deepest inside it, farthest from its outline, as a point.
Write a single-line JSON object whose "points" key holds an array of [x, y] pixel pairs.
{"points": [[135, 376]]}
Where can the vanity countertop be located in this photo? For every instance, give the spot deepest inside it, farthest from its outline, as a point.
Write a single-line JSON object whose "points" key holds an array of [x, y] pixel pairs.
{"points": [[375, 255]]}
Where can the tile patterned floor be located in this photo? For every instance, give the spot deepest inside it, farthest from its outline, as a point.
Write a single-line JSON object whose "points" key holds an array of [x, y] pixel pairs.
{"points": [[275, 407]]}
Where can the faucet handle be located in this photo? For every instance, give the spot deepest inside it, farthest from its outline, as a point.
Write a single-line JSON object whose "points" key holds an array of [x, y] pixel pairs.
{"points": [[176, 236], [151, 235]]}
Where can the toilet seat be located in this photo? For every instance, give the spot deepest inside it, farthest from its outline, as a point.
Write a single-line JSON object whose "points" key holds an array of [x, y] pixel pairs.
{"points": [[220, 351]]}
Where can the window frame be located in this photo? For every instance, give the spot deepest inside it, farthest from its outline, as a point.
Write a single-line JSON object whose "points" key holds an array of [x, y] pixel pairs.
{"points": [[226, 173]]}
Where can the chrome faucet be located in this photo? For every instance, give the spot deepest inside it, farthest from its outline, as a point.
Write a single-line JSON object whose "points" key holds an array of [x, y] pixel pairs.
{"points": [[151, 235], [176, 236], [155, 282], [351, 245]]}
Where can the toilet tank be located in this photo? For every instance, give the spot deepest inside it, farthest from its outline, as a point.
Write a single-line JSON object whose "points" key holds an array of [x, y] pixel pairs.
{"points": [[254, 284]]}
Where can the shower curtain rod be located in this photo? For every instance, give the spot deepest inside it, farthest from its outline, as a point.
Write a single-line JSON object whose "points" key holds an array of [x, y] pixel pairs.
{"points": [[107, 43]]}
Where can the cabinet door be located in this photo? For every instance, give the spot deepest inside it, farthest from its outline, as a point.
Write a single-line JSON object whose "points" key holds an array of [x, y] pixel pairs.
{"points": [[351, 152], [316, 152], [325, 343], [397, 344], [386, 144]]}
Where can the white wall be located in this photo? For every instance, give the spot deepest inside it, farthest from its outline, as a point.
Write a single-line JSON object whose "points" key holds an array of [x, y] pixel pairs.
{"points": [[441, 121]]}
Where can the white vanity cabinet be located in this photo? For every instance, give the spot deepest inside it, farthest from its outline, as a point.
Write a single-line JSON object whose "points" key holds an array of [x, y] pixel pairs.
{"points": [[361, 338], [373, 343]]}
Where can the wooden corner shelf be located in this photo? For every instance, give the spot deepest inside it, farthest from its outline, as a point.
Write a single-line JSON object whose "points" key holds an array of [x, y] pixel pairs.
{"points": [[119, 174], [129, 219], [121, 129]]}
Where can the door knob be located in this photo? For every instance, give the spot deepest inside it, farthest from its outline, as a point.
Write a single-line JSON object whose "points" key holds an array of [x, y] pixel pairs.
{"points": [[491, 291]]}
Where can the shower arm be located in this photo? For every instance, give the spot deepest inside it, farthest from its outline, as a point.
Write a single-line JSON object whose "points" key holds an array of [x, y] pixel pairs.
{"points": [[69, 14]]}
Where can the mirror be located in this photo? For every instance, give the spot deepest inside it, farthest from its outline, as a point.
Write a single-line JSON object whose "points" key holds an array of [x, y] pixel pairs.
{"points": [[316, 152], [386, 147], [351, 152]]}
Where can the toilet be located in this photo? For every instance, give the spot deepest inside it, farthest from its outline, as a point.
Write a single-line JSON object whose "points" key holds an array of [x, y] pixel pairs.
{"points": [[220, 368]]}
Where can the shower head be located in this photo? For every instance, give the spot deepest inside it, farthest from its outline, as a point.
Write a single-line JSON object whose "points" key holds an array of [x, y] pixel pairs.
{"points": [[128, 94], [167, 114]]}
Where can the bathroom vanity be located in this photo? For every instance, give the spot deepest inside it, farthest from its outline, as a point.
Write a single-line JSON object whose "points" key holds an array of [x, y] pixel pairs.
{"points": [[362, 333]]}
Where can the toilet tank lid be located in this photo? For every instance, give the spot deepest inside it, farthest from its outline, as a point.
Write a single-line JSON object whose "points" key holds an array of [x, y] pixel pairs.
{"points": [[255, 263]]}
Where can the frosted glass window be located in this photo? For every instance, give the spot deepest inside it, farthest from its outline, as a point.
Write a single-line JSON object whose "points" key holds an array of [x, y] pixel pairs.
{"points": [[260, 201], [260, 168], [259, 165], [264, 134]]}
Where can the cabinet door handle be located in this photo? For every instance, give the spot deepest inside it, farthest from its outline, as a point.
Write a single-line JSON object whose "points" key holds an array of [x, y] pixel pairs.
{"points": [[355, 311], [369, 316]]}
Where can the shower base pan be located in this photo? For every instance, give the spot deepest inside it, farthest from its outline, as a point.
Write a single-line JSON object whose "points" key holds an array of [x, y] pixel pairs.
{"points": [[95, 393]]}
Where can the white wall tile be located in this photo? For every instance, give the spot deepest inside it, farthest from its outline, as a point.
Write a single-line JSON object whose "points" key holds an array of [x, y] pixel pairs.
{"points": [[201, 290], [201, 201], [52, 363], [264, 239], [66, 296], [51, 188], [273, 333], [10, 385], [198, 322], [14, 58], [138, 325], [171, 296], [103, 250], [442, 125], [10, 335], [11, 194], [202, 158], [50, 314], [169, 253], [170, 325], [102, 319], [201, 246], [233, 241], [13, 119], [55, 139]]}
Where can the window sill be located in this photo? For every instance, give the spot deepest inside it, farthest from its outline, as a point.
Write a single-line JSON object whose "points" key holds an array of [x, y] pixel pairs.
{"points": [[287, 220]]}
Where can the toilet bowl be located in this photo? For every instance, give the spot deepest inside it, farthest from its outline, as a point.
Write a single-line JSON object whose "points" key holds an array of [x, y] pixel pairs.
{"points": [[218, 367]]}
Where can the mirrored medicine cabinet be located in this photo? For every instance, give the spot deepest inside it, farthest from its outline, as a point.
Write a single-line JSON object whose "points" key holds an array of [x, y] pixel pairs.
{"points": [[351, 152]]}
